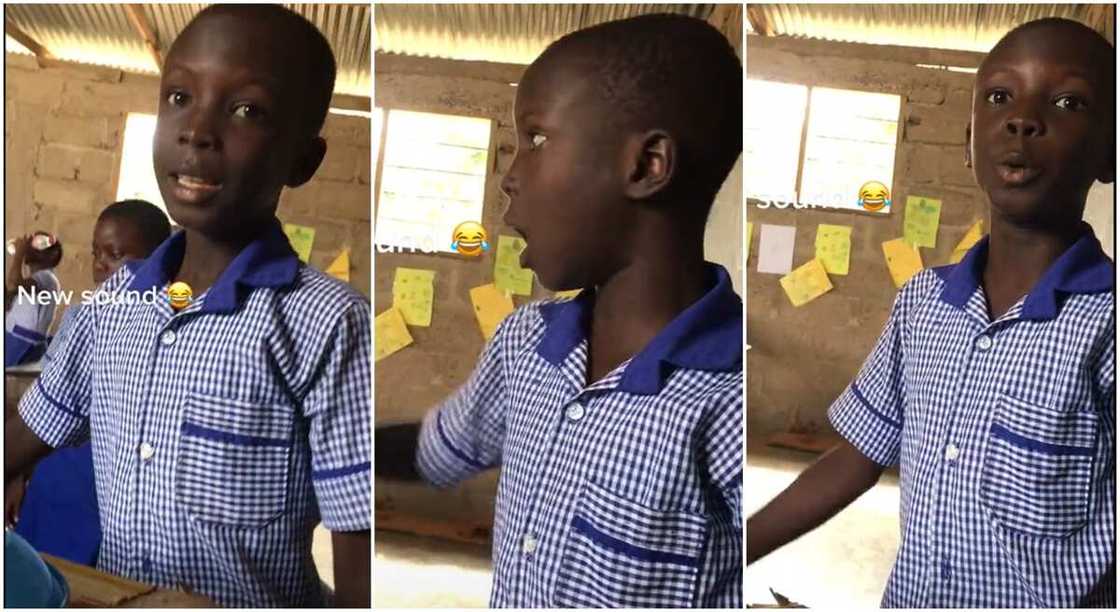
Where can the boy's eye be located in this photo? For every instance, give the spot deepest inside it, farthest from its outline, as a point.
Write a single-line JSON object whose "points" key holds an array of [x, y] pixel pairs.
{"points": [[536, 140], [247, 111], [177, 98], [998, 96], [1070, 103]]}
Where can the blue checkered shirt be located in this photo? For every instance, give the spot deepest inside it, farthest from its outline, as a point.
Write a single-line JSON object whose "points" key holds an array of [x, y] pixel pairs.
{"points": [[624, 492], [222, 433], [1005, 433]]}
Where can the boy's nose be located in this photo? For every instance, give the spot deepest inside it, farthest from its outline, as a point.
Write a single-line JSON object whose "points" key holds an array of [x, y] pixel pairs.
{"points": [[509, 184], [1024, 126], [198, 132]]}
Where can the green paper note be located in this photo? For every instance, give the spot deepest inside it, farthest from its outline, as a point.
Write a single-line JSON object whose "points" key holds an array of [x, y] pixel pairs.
{"points": [[834, 247], [301, 237], [413, 293], [508, 273], [922, 217]]}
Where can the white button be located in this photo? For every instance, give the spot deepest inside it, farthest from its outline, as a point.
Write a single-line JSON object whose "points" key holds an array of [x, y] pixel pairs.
{"points": [[575, 412], [167, 338], [952, 452], [984, 343], [528, 544], [146, 451]]}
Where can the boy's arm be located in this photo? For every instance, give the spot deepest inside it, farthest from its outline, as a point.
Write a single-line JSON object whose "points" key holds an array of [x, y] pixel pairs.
{"points": [[22, 448], [827, 487], [351, 552], [394, 451]]}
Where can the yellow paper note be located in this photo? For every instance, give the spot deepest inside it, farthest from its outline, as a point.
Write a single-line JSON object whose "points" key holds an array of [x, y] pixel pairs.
{"points": [[750, 230], [340, 267], [974, 234], [922, 218], [903, 260], [390, 334], [806, 283], [508, 273], [301, 237], [834, 247], [491, 305], [568, 294], [413, 294]]}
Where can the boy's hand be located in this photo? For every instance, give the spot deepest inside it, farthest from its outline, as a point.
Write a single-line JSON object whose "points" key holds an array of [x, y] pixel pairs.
{"points": [[827, 487], [394, 454], [13, 500], [351, 568]]}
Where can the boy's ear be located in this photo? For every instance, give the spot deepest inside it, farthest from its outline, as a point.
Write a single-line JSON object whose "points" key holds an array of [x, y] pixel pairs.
{"points": [[968, 145], [652, 166], [308, 162]]}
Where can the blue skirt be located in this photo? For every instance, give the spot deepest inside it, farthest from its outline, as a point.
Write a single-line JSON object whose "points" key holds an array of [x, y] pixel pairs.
{"points": [[59, 514]]}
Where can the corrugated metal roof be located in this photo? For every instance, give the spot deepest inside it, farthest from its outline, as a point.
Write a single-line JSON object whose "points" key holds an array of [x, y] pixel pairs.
{"points": [[509, 33], [965, 27], [102, 34]]}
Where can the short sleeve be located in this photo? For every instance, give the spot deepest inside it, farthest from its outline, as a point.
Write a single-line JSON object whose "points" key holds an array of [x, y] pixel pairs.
{"points": [[56, 407], [338, 408], [869, 412], [464, 436]]}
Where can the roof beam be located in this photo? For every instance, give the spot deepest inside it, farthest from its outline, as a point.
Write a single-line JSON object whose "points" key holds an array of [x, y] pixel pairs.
{"points": [[42, 54], [757, 17], [147, 34]]}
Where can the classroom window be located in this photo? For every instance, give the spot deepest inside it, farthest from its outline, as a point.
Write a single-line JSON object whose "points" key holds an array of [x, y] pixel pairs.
{"points": [[137, 178], [850, 138], [433, 177], [775, 114]]}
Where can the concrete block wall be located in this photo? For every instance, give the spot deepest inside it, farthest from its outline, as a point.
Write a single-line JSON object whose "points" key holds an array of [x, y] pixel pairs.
{"points": [[64, 128], [802, 358]]}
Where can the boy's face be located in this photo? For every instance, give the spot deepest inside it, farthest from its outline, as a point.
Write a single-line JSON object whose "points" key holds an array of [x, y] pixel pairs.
{"points": [[115, 242], [228, 133], [1040, 126], [565, 183]]}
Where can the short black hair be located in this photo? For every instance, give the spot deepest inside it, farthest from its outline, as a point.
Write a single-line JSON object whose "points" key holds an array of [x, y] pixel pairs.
{"points": [[298, 30], [676, 73], [146, 217]]}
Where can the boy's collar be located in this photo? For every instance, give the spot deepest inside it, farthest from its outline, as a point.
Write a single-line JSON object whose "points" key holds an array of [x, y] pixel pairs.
{"points": [[708, 335], [268, 261], [1083, 268]]}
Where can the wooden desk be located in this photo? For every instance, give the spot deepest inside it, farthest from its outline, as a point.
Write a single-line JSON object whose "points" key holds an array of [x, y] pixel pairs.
{"points": [[91, 588]]}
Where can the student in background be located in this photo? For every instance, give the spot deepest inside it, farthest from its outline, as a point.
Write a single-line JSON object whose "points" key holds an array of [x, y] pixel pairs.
{"points": [[225, 430], [61, 491], [26, 321], [993, 385], [616, 417]]}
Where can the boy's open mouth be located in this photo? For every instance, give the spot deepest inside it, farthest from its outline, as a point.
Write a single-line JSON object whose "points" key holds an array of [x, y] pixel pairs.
{"points": [[1016, 170], [193, 190]]}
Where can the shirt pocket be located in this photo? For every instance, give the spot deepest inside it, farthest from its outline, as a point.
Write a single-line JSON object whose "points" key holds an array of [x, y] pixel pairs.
{"points": [[622, 554], [234, 460], [1038, 468]]}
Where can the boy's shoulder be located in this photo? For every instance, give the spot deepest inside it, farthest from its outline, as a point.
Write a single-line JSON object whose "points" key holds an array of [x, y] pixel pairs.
{"points": [[315, 288]]}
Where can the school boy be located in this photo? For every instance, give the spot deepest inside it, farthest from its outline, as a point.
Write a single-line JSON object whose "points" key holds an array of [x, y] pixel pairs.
{"points": [[992, 386], [616, 417], [224, 431]]}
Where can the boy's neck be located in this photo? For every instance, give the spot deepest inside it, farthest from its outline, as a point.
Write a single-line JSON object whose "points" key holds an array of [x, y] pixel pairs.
{"points": [[205, 258], [639, 300], [1018, 257]]}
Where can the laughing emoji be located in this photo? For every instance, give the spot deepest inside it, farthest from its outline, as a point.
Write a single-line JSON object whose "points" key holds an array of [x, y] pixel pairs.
{"points": [[874, 196], [179, 295], [469, 239]]}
